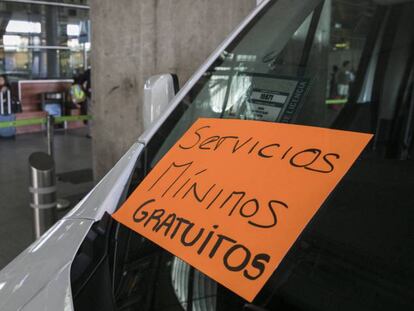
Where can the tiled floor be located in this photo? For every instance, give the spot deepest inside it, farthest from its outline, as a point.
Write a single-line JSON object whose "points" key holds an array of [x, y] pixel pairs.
{"points": [[73, 166]]}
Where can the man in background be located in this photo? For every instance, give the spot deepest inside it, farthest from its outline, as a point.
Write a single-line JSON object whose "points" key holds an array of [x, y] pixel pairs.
{"points": [[344, 79]]}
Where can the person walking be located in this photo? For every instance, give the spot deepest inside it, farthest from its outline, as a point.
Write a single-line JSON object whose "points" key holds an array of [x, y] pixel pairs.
{"points": [[344, 79], [4, 84]]}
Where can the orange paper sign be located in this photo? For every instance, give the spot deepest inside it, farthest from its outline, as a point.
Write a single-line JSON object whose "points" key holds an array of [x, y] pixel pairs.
{"points": [[232, 196]]}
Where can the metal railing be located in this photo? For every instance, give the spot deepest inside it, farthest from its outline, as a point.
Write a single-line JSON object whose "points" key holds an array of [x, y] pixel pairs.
{"points": [[40, 121], [51, 3]]}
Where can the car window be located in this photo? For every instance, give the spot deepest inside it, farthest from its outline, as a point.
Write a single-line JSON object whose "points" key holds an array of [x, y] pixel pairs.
{"points": [[338, 64]]}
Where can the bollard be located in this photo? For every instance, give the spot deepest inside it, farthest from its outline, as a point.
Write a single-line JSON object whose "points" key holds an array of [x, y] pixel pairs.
{"points": [[43, 191], [50, 132], [50, 127]]}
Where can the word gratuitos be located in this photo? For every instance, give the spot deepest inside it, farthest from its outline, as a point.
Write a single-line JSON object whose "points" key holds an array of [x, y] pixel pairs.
{"points": [[236, 257], [312, 159]]}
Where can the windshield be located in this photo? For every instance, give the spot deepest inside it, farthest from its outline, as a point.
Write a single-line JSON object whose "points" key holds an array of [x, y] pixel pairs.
{"points": [[338, 64]]}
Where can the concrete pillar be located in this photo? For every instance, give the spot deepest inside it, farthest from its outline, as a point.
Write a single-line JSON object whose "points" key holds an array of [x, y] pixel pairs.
{"points": [[132, 40]]}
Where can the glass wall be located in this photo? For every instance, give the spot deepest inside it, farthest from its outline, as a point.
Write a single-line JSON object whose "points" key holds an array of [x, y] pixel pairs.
{"points": [[44, 41]]}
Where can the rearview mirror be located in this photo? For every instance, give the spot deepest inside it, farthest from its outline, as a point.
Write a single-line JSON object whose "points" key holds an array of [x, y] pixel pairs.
{"points": [[159, 90]]}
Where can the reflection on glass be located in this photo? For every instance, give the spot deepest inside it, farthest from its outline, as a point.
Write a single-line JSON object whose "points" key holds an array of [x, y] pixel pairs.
{"points": [[72, 30], [23, 27], [204, 290], [32, 33], [216, 89]]}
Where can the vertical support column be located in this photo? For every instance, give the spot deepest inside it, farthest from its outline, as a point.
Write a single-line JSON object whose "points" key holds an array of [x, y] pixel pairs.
{"points": [[2, 56], [52, 25], [36, 59], [43, 52], [168, 36], [85, 57], [50, 127]]}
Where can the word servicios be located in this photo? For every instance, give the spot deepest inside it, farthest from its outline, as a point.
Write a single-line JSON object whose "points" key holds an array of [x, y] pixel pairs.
{"points": [[312, 159]]}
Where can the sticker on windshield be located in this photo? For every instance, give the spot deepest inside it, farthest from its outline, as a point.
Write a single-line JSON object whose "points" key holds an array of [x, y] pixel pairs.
{"points": [[266, 105], [267, 97], [232, 196]]}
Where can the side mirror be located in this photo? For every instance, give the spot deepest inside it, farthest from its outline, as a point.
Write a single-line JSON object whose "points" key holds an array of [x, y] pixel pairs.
{"points": [[159, 90]]}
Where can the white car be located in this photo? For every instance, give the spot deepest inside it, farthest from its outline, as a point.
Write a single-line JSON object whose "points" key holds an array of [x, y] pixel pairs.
{"points": [[356, 254]]}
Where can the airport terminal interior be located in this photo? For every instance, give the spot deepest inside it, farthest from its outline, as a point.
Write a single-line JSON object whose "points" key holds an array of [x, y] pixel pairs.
{"points": [[305, 108], [41, 51]]}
